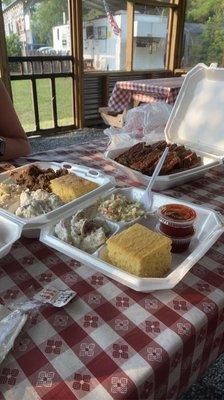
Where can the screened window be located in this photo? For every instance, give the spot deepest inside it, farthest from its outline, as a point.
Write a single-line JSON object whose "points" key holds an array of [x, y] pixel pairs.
{"points": [[107, 49], [150, 37]]}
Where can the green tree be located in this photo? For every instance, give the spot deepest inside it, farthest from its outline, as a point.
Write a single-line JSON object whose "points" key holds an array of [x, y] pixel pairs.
{"points": [[14, 45], [211, 14], [7, 2], [213, 37], [49, 13], [200, 10]]}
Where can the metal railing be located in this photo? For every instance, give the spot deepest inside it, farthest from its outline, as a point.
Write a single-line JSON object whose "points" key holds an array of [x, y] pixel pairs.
{"points": [[97, 85], [33, 68]]}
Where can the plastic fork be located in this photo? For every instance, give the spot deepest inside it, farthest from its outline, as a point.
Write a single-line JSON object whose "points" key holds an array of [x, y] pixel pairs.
{"points": [[147, 195]]}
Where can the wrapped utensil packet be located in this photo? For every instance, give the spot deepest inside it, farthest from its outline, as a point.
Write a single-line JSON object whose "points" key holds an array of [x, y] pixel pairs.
{"points": [[11, 323], [13, 318]]}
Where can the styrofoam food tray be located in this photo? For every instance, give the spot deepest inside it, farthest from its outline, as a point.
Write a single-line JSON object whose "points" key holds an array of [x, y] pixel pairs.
{"points": [[164, 182], [10, 232], [209, 227], [196, 121], [31, 226]]}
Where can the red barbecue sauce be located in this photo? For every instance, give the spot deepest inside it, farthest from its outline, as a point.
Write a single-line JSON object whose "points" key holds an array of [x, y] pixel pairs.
{"points": [[177, 222]]}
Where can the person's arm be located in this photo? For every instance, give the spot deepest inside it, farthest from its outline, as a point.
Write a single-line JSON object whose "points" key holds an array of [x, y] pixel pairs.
{"points": [[11, 130]]}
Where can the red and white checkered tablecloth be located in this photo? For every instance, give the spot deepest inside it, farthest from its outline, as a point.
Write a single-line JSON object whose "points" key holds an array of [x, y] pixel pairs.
{"points": [[146, 91], [112, 342]]}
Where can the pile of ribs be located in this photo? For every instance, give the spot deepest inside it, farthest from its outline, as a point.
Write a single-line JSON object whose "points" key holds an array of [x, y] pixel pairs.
{"points": [[144, 157]]}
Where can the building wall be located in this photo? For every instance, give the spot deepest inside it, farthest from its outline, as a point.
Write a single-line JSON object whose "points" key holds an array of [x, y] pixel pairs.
{"points": [[17, 21], [14, 20]]}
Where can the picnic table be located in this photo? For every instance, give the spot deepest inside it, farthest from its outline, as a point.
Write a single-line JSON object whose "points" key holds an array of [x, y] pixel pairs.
{"points": [[112, 342], [144, 91]]}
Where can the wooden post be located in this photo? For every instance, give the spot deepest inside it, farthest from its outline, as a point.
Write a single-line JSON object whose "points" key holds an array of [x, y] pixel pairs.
{"points": [[181, 20], [130, 34], [35, 103], [75, 11], [175, 35], [4, 65]]}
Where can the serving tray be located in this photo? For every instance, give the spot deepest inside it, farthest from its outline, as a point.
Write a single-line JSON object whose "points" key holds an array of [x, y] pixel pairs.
{"points": [[31, 226], [164, 182], [196, 121], [209, 227]]}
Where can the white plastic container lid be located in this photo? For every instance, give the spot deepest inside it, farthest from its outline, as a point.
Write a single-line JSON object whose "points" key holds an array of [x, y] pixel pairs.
{"points": [[197, 118], [10, 232]]}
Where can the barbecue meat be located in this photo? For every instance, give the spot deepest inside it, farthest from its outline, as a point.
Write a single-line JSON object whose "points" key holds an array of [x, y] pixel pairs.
{"points": [[190, 160], [172, 147], [148, 163], [127, 156], [142, 157], [135, 153], [172, 161], [35, 178], [161, 145]]}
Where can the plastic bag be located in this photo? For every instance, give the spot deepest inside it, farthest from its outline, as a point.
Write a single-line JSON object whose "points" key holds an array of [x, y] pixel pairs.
{"points": [[120, 139], [145, 123], [156, 116], [11, 324], [134, 121], [13, 319], [147, 118]]}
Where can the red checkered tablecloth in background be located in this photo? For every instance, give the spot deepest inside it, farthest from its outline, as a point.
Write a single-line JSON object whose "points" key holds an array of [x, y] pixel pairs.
{"points": [[112, 342], [146, 91]]}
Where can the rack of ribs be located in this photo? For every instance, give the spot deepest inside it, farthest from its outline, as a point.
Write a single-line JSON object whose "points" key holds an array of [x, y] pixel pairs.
{"points": [[146, 165], [161, 145], [190, 160], [172, 161], [134, 153], [142, 157]]}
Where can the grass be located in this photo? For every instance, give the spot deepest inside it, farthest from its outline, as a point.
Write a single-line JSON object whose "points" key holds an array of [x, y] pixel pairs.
{"points": [[23, 103]]}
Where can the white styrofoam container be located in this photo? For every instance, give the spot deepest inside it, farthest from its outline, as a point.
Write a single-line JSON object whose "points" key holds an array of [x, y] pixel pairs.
{"points": [[196, 121], [209, 227], [10, 232], [31, 226]]}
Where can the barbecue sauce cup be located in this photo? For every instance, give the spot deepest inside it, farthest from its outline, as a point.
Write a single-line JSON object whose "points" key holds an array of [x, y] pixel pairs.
{"points": [[177, 222]]}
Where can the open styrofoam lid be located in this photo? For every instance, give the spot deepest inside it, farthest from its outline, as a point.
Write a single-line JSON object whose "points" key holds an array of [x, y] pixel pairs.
{"points": [[9, 233], [197, 118]]}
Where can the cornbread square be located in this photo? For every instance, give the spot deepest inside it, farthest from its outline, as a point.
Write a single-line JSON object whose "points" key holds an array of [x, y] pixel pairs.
{"points": [[71, 186], [140, 251]]}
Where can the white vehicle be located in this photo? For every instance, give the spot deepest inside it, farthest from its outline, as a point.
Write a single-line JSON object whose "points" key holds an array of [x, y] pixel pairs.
{"points": [[46, 50]]}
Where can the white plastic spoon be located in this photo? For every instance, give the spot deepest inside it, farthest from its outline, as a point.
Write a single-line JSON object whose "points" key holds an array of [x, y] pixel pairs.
{"points": [[147, 195]]}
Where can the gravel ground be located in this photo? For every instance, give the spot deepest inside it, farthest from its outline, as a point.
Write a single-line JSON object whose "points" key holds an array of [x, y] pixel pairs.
{"points": [[39, 143], [211, 385]]}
